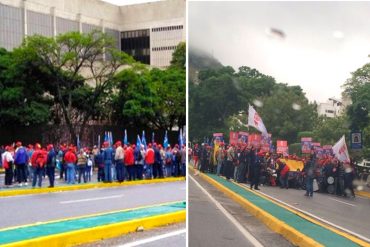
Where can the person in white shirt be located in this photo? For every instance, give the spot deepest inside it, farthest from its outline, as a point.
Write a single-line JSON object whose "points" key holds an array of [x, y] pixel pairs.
{"points": [[8, 161], [119, 157]]}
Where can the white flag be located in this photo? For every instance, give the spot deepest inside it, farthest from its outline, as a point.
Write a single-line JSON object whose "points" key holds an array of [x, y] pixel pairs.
{"points": [[340, 150], [255, 120]]}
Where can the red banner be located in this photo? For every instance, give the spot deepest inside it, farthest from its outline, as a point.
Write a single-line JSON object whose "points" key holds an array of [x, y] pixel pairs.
{"points": [[282, 147], [233, 137], [254, 140]]}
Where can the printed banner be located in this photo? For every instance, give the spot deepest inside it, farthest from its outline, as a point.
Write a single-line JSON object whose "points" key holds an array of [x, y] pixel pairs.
{"points": [[243, 137], [254, 140], [356, 140], [306, 143], [282, 147], [218, 137], [327, 149], [233, 137], [266, 143]]}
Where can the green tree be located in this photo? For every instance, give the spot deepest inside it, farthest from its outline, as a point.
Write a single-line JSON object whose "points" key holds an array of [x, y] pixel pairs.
{"points": [[358, 89], [82, 80], [179, 56], [22, 98], [286, 112], [330, 130], [152, 97]]}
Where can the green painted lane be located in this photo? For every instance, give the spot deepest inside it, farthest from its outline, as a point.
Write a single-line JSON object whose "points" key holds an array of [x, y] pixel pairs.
{"points": [[41, 230], [316, 232]]}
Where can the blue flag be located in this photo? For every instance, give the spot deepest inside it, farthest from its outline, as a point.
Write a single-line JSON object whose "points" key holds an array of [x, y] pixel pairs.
{"points": [[184, 136], [105, 136], [165, 142], [78, 143], [138, 143], [180, 138], [143, 140], [125, 138]]}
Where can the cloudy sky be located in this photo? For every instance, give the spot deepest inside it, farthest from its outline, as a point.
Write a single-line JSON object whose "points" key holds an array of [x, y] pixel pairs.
{"points": [[128, 2], [324, 41]]}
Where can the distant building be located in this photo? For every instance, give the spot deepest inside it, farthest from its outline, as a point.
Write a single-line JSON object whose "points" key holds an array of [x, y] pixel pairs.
{"points": [[333, 107], [150, 32]]}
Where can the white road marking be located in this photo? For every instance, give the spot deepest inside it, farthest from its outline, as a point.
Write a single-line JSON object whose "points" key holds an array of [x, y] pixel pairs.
{"points": [[317, 217], [353, 205], [153, 239], [245, 233], [90, 199]]}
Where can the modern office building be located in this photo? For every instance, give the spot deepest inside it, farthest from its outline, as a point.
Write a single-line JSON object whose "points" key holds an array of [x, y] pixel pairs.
{"points": [[149, 32]]}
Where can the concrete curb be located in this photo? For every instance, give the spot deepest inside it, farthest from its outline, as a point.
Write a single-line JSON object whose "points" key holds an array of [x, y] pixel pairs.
{"points": [[102, 232], [30, 191], [294, 236]]}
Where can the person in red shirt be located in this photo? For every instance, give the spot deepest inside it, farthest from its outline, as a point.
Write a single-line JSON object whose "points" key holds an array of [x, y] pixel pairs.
{"points": [[38, 161], [130, 162], [70, 159], [284, 174], [149, 161]]}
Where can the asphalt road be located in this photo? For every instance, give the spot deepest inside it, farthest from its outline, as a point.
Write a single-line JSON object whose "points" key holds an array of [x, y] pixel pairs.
{"points": [[171, 235], [28, 209], [352, 214], [209, 225]]}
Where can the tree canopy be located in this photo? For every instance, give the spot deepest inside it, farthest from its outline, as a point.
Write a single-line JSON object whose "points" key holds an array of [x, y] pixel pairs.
{"points": [[220, 100]]}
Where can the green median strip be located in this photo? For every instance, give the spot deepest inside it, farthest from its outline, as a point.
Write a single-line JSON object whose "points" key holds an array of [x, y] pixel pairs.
{"points": [[316, 232], [46, 229]]}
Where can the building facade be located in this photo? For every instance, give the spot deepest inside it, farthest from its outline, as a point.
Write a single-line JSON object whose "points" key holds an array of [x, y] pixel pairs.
{"points": [[149, 32], [333, 107]]}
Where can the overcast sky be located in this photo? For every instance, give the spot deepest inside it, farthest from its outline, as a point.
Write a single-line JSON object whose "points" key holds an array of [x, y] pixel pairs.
{"points": [[324, 41], [128, 2]]}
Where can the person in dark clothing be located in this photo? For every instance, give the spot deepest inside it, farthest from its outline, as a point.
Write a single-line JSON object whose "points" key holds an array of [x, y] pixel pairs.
{"points": [[243, 165], [255, 167], [203, 158], [229, 166], [100, 163], [21, 161], [157, 166], [309, 171], [50, 165], [349, 175]]}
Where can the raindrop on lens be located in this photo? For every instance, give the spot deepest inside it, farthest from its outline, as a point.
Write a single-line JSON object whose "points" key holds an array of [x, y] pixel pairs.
{"points": [[360, 187], [296, 107], [257, 103]]}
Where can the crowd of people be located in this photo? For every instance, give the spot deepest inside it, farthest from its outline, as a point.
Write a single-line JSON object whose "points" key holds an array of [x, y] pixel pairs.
{"points": [[116, 162], [247, 164]]}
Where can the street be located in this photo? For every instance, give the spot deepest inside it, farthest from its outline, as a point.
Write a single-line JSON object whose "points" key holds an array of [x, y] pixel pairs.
{"points": [[45, 207], [210, 225], [349, 214]]}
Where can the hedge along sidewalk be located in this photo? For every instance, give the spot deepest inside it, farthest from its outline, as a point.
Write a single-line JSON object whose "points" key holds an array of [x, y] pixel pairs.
{"points": [[91, 228], [297, 229], [28, 191]]}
